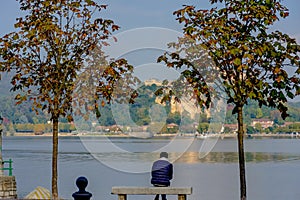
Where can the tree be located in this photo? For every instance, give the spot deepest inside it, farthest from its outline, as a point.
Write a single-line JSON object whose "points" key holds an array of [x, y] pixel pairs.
{"points": [[251, 60], [46, 53], [203, 127], [259, 113]]}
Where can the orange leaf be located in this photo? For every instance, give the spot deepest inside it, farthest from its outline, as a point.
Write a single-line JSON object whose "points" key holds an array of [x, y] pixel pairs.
{"points": [[277, 70]]}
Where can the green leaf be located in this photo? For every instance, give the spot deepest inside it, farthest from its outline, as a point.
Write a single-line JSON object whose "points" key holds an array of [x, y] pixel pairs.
{"points": [[290, 95], [234, 51], [237, 62], [252, 95]]}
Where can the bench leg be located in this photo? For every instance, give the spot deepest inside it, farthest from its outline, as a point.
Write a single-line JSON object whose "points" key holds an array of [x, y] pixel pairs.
{"points": [[182, 197], [122, 197]]}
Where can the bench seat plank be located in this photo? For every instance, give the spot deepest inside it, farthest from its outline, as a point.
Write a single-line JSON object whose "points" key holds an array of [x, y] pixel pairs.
{"points": [[151, 190]]}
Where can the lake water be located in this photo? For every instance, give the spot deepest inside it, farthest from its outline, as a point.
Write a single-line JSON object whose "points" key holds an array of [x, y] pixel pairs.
{"points": [[273, 166]]}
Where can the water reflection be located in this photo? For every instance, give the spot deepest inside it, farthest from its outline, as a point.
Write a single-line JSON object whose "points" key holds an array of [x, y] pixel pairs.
{"points": [[232, 157], [189, 157], [138, 150], [278, 162], [193, 157]]}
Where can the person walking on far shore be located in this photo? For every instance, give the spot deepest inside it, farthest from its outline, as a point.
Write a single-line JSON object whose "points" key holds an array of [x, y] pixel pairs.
{"points": [[162, 173]]}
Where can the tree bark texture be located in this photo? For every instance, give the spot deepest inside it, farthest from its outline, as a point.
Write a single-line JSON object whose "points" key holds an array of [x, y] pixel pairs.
{"points": [[243, 191], [54, 159]]}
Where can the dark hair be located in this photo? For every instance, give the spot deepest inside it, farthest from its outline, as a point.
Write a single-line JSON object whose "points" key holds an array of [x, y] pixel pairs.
{"points": [[164, 154]]}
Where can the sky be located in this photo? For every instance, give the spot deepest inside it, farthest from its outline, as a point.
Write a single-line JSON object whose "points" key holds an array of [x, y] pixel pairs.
{"points": [[131, 14], [139, 13], [136, 16]]}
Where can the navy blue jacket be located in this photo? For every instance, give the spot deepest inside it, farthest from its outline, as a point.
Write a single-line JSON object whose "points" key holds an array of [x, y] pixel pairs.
{"points": [[162, 172]]}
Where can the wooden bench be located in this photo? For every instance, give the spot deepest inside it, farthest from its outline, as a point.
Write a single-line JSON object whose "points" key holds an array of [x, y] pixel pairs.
{"points": [[122, 192]]}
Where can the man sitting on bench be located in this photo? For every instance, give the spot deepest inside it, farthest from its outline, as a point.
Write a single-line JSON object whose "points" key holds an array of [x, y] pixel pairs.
{"points": [[162, 173]]}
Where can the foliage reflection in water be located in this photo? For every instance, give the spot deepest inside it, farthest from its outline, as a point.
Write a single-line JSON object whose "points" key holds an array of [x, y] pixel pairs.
{"points": [[193, 157], [232, 157]]}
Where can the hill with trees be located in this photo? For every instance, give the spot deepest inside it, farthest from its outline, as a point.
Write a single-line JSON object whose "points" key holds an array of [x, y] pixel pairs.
{"points": [[139, 111]]}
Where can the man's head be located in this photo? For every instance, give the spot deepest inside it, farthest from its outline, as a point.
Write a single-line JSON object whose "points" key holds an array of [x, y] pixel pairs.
{"points": [[164, 154]]}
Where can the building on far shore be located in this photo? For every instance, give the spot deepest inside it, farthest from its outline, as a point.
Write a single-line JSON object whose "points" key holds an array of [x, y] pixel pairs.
{"points": [[265, 123]]}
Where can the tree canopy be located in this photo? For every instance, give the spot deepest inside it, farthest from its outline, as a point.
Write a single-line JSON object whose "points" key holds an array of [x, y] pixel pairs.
{"points": [[47, 51], [251, 60]]}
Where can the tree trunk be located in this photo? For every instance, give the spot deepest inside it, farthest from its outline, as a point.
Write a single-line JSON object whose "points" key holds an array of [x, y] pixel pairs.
{"points": [[1, 158], [54, 158], [241, 153]]}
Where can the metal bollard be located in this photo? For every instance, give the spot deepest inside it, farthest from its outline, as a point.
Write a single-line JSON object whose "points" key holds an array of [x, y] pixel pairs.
{"points": [[81, 194]]}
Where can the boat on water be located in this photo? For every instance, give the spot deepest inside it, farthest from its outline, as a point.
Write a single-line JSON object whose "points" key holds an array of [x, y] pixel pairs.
{"points": [[201, 136], [206, 135], [141, 134]]}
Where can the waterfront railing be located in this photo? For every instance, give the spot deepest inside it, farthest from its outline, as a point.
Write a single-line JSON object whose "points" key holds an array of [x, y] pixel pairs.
{"points": [[9, 168]]}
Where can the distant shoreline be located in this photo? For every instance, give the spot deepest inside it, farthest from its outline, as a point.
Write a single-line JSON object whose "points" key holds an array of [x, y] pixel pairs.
{"points": [[259, 135]]}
